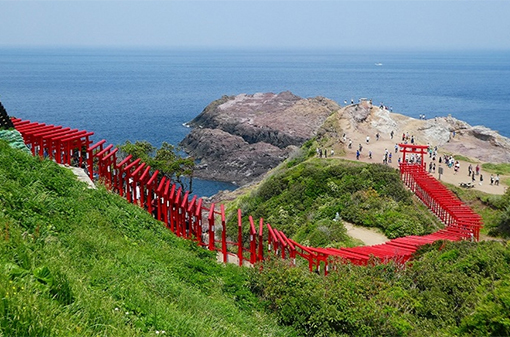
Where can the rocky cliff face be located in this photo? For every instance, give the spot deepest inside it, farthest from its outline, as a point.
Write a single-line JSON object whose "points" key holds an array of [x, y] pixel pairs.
{"points": [[239, 138]]}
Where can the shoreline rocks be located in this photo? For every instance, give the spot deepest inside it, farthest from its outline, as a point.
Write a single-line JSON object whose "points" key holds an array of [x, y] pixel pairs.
{"points": [[239, 138]]}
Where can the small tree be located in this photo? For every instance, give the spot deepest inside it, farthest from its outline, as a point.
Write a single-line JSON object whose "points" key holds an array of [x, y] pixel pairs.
{"points": [[166, 159]]}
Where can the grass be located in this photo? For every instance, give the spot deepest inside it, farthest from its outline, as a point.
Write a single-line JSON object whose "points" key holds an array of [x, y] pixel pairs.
{"points": [[303, 199], [83, 262], [464, 158], [503, 169], [487, 205]]}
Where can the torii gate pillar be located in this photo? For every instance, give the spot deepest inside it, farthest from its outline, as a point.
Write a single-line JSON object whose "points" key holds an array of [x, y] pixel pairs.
{"points": [[420, 150]]}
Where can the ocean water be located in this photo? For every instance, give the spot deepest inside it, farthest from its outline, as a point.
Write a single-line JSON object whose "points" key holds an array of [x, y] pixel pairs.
{"points": [[123, 94]]}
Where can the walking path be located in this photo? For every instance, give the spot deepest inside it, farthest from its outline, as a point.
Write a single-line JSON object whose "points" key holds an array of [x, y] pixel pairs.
{"points": [[368, 236], [449, 176]]}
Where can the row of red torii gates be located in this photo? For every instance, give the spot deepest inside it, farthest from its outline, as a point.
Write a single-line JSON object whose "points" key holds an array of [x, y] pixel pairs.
{"points": [[188, 217]]}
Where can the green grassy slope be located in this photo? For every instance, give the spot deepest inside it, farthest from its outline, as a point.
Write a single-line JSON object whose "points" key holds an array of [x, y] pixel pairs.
{"points": [[305, 199], [82, 262], [449, 289]]}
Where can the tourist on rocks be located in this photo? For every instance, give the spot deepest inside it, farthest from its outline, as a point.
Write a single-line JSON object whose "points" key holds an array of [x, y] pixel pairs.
{"points": [[477, 169], [396, 147], [369, 154], [389, 157], [496, 181], [350, 143], [473, 178], [391, 134], [368, 139], [357, 154], [470, 169], [434, 168], [360, 148], [325, 153], [492, 179], [481, 179], [377, 136], [332, 153]]}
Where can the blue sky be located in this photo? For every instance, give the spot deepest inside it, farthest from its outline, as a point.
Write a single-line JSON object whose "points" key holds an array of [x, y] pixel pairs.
{"points": [[340, 24]]}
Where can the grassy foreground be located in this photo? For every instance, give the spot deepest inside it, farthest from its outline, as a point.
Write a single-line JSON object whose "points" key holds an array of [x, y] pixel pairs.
{"points": [[80, 262]]}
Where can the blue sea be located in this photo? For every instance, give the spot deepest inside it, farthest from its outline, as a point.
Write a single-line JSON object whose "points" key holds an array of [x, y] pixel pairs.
{"points": [[134, 94]]}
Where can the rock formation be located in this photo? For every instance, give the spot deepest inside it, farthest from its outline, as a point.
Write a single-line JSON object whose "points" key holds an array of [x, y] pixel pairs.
{"points": [[449, 134], [239, 138]]}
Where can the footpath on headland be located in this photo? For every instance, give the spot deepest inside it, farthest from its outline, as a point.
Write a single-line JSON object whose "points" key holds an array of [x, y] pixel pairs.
{"points": [[378, 148]]}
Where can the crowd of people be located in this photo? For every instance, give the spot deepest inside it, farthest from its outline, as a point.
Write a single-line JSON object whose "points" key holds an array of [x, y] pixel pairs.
{"points": [[435, 160]]}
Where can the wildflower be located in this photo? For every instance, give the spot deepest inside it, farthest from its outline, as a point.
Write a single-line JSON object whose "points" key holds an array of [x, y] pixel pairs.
{"points": [[116, 309], [127, 312], [157, 332]]}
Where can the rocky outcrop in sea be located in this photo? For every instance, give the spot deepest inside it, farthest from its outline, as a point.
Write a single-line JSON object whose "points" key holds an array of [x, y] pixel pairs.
{"points": [[240, 138]]}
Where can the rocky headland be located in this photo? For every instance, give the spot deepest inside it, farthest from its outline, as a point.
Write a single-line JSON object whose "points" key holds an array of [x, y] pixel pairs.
{"points": [[450, 135], [240, 138]]}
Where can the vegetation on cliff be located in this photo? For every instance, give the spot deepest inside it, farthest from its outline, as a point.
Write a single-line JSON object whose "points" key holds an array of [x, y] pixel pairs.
{"points": [[75, 261], [81, 262], [307, 198], [450, 289], [494, 209], [166, 160]]}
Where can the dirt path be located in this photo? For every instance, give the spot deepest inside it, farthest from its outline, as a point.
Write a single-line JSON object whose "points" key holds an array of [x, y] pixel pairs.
{"points": [[369, 236], [378, 148]]}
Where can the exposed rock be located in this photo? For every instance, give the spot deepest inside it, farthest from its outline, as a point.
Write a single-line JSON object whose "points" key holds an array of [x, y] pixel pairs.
{"points": [[239, 138], [447, 133]]}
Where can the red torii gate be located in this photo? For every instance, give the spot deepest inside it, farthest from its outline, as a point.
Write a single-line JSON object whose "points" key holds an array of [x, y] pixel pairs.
{"points": [[420, 150], [40, 137]]}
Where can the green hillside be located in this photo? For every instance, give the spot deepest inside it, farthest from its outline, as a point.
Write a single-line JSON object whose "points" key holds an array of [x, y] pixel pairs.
{"points": [[80, 262], [306, 199]]}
